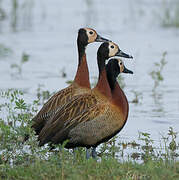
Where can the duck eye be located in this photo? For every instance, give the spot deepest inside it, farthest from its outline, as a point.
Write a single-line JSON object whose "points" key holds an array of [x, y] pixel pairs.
{"points": [[91, 32], [112, 47]]}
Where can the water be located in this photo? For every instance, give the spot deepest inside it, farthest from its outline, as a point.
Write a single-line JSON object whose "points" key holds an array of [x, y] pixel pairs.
{"points": [[50, 40]]}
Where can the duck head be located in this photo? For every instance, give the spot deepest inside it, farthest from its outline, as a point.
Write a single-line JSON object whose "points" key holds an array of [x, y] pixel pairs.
{"points": [[88, 35], [113, 68], [110, 49], [117, 66]]}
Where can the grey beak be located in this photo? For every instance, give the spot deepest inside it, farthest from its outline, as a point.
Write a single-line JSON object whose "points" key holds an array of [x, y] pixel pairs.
{"points": [[127, 70], [101, 39], [122, 54]]}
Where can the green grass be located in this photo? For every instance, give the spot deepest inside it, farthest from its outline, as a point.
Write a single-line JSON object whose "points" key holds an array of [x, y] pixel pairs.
{"points": [[107, 168], [156, 74], [116, 160]]}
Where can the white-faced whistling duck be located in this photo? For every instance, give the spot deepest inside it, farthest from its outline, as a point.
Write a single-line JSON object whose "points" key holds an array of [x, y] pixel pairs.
{"points": [[79, 86], [84, 120]]}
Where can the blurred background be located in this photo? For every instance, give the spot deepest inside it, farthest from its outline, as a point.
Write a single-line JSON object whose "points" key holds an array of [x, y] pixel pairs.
{"points": [[38, 52]]}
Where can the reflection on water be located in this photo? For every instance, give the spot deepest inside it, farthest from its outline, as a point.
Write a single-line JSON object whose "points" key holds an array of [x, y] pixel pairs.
{"points": [[16, 14], [162, 122], [27, 14], [158, 102], [91, 14]]}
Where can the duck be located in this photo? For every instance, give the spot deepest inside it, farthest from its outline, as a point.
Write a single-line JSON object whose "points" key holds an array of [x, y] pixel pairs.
{"points": [[89, 106], [79, 86]]}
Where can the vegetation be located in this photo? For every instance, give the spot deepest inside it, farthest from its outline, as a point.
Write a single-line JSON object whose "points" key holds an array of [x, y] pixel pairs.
{"points": [[20, 16], [170, 14], [116, 159], [4, 51], [110, 168], [156, 74], [137, 97], [20, 11], [18, 67], [42, 95]]}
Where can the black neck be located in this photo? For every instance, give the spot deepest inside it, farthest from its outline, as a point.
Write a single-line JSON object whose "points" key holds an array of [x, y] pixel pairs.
{"points": [[112, 71], [111, 81], [101, 62], [81, 50], [103, 85]]}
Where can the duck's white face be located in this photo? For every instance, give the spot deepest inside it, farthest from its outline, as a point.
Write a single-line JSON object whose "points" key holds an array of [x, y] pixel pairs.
{"points": [[123, 69], [92, 34], [113, 49], [121, 65]]}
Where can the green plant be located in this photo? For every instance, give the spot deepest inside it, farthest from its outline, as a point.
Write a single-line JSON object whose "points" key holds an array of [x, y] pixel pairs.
{"points": [[110, 148], [18, 67], [42, 95], [169, 144], [2, 14], [170, 14], [14, 125], [168, 150], [5, 51], [147, 152], [69, 82], [157, 73], [118, 159], [137, 97], [143, 150], [14, 14], [19, 11]]}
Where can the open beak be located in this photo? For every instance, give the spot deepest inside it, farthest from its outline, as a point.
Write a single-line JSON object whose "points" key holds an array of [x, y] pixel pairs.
{"points": [[122, 54], [127, 70], [101, 39]]}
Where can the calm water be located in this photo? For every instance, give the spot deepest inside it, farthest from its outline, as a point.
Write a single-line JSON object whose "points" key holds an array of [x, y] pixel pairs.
{"points": [[50, 40]]}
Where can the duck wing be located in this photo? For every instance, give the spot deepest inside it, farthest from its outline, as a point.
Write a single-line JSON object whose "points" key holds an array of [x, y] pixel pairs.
{"points": [[67, 113], [50, 107], [87, 129]]}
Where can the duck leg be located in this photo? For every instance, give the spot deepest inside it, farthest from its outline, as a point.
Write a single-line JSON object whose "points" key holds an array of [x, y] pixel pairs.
{"points": [[94, 153], [87, 153]]}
